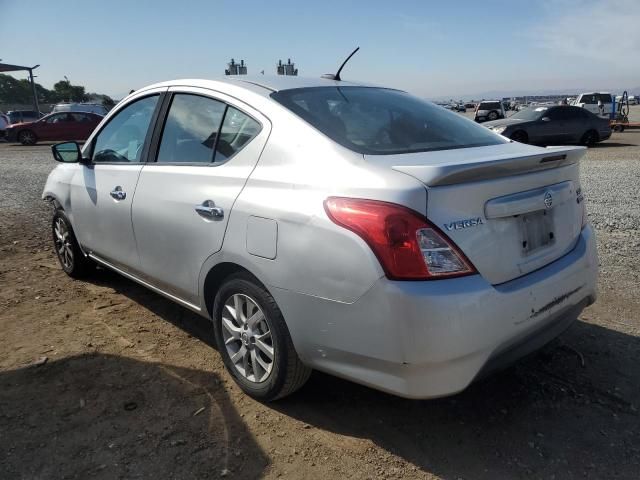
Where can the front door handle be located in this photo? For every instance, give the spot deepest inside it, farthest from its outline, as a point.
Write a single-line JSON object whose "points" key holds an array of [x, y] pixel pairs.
{"points": [[117, 193], [208, 209]]}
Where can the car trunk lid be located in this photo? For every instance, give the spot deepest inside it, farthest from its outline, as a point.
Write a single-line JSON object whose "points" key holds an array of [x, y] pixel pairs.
{"points": [[510, 208]]}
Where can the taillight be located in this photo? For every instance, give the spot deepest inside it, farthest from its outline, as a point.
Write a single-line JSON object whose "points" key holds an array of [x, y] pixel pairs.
{"points": [[407, 246]]}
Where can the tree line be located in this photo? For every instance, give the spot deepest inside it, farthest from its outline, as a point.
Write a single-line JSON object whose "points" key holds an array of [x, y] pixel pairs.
{"points": [[13, 90]]}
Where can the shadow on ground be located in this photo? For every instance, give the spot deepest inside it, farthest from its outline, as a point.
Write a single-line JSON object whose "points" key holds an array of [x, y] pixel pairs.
{"points": [[103, 416], [571, 411], [547, 417]]}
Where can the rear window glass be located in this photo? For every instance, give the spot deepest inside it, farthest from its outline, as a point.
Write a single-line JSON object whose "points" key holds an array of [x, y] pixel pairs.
{"points": [[382, 121], [489, 106]]}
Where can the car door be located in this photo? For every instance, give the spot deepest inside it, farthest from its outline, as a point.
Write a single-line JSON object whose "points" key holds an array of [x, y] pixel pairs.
{"points": [[550, 128], [576, 123], [208, 146], [51, 127], [102, 192], [84, 125]]}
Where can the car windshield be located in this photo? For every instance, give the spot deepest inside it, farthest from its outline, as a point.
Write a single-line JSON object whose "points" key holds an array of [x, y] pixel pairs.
{"points": [[529, 113], [374, 121]]}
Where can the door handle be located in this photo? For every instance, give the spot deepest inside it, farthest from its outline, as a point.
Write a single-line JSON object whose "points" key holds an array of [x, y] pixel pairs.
{"points": [[208, 209], [117, 193]]}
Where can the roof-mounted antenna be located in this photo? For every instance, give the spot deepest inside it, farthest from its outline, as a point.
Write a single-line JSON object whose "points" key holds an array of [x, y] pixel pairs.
{"points": [[336, 77]]}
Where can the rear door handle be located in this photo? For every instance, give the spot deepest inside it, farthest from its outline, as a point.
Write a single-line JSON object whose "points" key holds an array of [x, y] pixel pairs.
{"points": [[208, 209], [117, 193]]}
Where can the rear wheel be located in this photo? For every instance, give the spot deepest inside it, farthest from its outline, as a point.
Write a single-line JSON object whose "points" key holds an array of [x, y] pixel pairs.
{"points": [[27, 137], [590, 138], [254, 341], [71, 258], [520, 136], [492, 116]]}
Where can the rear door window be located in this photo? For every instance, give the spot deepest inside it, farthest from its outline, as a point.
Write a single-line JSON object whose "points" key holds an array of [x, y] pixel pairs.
{"points": [[490, 106], [605, 97], [191, 129]]}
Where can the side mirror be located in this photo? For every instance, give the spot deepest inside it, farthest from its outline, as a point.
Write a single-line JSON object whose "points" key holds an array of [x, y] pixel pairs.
{"points": [[545, 119], [67, 152]]}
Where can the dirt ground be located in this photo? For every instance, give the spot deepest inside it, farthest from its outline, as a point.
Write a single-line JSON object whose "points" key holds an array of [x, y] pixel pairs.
{"points": [[105, 379]]}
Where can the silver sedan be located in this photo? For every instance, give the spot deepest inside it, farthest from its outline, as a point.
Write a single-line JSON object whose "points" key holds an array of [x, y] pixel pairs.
{"points": [[330, 225]]}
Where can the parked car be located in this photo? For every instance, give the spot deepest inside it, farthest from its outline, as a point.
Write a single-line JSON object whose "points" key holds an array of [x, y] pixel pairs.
{"points": [[459, 107], [330, 225], [21, 116], [80, 107], [469, 105], [596, 103], [4, 123], [489, 110], [55, 126], [559, 125]]}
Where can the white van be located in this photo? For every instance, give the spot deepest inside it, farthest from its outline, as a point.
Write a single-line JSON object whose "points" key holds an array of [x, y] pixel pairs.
{"points": [[598, 103], [80, 107]]}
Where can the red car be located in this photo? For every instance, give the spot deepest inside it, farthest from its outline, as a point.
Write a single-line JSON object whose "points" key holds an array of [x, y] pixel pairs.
{"points": [[55, 126]]}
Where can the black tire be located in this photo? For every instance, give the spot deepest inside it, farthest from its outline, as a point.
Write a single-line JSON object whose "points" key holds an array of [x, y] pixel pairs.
{"points": [[72, 260], [27, 137], [493, 115], [520, 136], [590, 138], [288, 373]]}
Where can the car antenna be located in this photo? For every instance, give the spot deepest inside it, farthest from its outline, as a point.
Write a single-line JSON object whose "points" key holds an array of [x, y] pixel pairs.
{"points": [[336, 77]]}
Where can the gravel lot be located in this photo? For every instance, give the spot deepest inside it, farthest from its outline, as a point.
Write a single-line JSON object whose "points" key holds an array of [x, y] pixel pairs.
{"points": [[105, 379]]}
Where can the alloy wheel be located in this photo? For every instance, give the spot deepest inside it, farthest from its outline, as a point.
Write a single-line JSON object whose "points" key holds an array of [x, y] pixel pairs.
{"points": [[247, 338], [62, 240], [27, 138]]}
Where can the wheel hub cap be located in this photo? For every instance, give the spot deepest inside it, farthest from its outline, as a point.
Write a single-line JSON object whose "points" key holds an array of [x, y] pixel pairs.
{"points": [[62, 242], [247, 338]]}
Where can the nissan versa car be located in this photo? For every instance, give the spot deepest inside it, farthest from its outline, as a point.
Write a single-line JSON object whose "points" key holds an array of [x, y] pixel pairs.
{"points": [[330, 225]]}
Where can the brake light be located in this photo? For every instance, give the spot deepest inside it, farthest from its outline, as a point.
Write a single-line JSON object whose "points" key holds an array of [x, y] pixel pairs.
{"points": [[407, 246]]}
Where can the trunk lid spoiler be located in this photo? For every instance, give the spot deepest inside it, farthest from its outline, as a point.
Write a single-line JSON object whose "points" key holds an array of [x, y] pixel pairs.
{"points": [[450, 167]]}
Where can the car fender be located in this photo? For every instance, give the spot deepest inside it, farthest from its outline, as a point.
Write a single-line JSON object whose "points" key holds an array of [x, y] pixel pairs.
{"points": [[57, 188]]}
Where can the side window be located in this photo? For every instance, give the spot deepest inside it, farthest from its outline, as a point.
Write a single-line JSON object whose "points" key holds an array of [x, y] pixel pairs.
{"points": [[121, 140], [81, 117], [237, 130], [562, 113], [191, 129], [605, 97], [61, 117]]}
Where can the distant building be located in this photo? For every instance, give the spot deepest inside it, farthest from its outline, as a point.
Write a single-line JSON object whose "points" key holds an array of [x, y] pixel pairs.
{"points": [[286, 68], [236, 68]]}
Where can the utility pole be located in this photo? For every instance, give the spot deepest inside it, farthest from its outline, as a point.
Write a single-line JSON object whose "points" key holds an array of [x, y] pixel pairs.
{"points": [[33, 89]]}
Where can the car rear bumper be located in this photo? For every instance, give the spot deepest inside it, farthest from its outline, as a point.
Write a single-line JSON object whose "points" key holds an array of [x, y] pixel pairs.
{"points": [[431, 339]]}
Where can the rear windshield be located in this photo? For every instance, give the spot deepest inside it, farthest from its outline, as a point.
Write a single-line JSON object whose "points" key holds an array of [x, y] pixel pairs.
{"points": [[489, 106], [382, 121]]}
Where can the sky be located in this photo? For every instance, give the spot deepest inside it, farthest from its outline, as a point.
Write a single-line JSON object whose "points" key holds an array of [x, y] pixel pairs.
{"points": [[431, 48]]}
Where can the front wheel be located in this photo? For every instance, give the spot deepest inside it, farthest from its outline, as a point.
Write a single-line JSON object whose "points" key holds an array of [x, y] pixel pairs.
{"points": [[254, 342], [27, 137], [590, 138], [520, 136], [67, 249]]}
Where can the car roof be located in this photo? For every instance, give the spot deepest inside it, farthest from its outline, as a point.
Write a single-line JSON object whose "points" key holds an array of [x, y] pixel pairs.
{"points": [[266, 83]]}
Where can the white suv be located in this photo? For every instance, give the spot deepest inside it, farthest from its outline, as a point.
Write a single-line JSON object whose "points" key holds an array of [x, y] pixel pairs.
{"points": [[598, 103], [489, 110]]}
